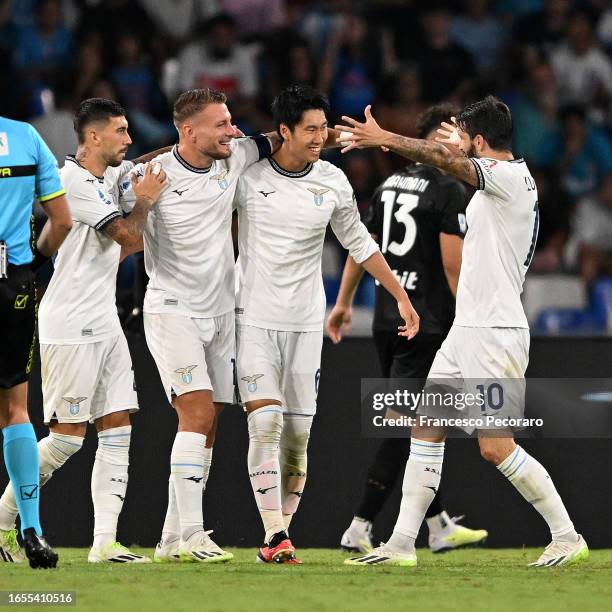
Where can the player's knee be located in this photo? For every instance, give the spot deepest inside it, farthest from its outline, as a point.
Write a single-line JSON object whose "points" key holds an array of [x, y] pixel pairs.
{"points": [[195, 411], [491, 453], [266, 426]]}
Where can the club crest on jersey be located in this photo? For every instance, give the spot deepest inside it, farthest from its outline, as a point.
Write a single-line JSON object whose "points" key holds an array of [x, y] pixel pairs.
{"points": [[252, 381], [221, 180], [75, 404], [318, 195], [104, 197], [185, 373]]}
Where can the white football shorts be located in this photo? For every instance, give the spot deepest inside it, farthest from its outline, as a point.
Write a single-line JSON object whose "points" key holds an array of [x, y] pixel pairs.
{"points": [[279, 365], [83, 382], [485, 362], [193, 354]]}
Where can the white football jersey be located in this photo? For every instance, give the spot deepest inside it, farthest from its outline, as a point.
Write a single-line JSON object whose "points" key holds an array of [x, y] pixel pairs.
{"points": [[79, 305], [503, 220], [282, 218], [188, 250]]}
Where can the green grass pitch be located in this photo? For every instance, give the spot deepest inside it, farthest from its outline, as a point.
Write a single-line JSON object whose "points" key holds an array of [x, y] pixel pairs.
{"points": [[470, 580]]}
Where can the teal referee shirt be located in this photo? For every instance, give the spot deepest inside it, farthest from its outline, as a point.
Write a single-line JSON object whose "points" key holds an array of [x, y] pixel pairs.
{"points": [[28, 171]]}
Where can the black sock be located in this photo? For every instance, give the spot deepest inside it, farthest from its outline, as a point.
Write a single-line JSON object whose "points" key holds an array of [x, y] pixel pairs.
{"points": [[389, 462]]}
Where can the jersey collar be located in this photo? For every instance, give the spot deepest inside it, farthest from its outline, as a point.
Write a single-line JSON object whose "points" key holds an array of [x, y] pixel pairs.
{"points": [[74, 160], [187, 165], [284, 172]]}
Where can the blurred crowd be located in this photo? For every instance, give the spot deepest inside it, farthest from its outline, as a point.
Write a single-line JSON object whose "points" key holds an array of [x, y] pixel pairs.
{"points": [[549, 60]]}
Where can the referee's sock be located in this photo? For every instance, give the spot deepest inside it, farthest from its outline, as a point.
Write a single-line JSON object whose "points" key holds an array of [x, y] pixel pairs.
{"points": [[21, 460]]}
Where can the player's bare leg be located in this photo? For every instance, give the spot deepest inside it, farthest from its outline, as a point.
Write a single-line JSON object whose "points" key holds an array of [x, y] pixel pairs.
{"points": [[21, 461], [532, 481], [197, 416], [420, 485], [265, 422], [167, 549]]}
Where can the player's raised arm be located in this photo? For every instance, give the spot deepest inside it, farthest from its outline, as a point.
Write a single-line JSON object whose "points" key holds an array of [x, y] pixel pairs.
{"points": [[356, 135], [128, 232]]}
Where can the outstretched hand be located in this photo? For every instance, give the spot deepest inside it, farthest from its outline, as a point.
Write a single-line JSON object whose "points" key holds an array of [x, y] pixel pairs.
{"points": [[451, 135], [356, 135]]}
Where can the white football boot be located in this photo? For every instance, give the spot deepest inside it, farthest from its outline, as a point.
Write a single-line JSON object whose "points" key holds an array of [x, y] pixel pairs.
{"points": [[358, 537], [10, 551], [201, 549], [383, 556], [446, 534], [563, 553], [115, 553]]}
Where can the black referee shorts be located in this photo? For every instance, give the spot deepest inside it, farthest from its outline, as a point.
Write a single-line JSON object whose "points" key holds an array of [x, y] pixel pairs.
{"points": [[17, 325], [401, 358]]}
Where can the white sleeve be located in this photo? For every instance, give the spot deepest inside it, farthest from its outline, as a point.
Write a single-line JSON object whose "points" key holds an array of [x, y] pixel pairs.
{"points": [[495, 177], [91, 204], [347, 226], [127, 197], [246, 151]]}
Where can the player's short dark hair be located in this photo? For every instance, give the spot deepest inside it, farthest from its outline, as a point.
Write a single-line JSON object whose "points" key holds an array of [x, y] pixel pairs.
{"points": [[432, 117], [193, 101], [291, 104], [491, 119], [92, 110]]}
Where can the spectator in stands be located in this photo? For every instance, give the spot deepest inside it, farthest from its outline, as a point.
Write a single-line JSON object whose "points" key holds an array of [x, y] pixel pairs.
{"points": [[585, 152], [217, 60], [356, 58], [481, 33], [534, 113], [256, 17], [555, 207], [583, 70], [13, 106], [178, 18], [56, 125], [44, 50], [592, 232], [546, 27], [446, 67], [138, 87]]}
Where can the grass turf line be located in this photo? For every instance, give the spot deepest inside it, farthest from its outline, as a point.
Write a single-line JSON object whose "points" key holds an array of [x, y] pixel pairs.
{"points": [[474, 580]]}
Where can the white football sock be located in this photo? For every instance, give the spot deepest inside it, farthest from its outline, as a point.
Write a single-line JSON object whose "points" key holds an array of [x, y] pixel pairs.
{"points": [[293, 462], [535, 485], [171, 531], [421, 482], [265, 428], [187, 473], [53, 452], [208, 452], [109, 480]]}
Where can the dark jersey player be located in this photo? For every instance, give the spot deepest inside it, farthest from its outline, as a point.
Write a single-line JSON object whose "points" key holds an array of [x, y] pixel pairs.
{"points": [[418, 218]]}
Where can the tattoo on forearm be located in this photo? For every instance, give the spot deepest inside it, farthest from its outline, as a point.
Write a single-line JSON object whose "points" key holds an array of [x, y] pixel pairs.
{"points": [[134, 224], [434, 154]]}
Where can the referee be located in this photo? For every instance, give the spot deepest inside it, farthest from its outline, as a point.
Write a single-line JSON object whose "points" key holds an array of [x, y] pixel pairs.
{"points": [[28, 170]]}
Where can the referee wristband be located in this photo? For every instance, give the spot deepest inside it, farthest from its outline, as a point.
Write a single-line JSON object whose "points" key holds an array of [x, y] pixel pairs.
{"points": [[39, 259]]}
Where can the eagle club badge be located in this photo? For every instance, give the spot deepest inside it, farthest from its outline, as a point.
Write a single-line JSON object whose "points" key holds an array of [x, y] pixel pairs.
{"points": [[75, 404], [185, 373], [252, 381], [221, 180], [318, 195]]}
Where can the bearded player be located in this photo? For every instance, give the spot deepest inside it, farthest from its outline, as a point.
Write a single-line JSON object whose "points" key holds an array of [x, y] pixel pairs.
{"points": [[489, 338], [418, 219]]}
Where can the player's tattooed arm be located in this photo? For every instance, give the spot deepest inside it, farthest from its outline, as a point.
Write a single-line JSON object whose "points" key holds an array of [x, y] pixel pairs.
{"points": [[128, 231], [275, 140], [356, 135]]}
